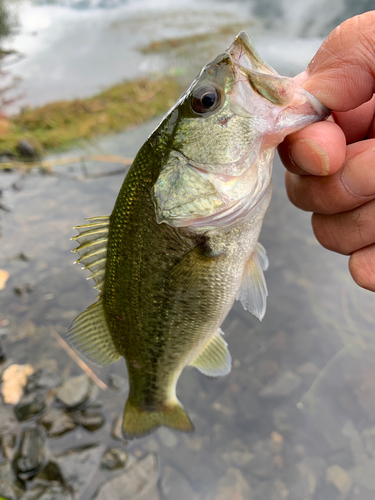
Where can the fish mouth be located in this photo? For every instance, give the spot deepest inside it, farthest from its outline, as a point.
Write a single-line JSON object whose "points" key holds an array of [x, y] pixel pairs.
{"points": [[243, 53]]}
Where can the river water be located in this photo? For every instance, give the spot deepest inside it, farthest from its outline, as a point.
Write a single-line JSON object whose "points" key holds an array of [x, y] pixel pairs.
{"points": [[295, 419]]}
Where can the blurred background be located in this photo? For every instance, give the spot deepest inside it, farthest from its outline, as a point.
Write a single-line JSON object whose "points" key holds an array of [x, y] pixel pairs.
{"points": [[83, 84]]}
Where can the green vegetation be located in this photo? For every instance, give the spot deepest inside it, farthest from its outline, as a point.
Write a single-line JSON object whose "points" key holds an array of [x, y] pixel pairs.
{"points": [[57, 125]]}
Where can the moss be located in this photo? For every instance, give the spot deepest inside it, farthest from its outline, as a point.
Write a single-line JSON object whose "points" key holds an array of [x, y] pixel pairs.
{"points": [[59, 124]]}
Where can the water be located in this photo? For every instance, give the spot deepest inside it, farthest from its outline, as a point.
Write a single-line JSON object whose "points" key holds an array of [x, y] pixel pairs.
{"points": [[300, 400]]}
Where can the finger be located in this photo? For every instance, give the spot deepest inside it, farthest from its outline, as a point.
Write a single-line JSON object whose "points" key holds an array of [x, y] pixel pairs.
{"points": [[351, 186], [342, 71], [362, 267], [356, 124], [318, 149], [346, 232]]}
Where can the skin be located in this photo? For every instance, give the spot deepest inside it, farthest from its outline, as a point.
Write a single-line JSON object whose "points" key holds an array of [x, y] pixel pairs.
{"points": [[331, 165]]}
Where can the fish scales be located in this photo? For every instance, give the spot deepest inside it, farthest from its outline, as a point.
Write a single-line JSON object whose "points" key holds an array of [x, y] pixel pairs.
{"points": [[182, 240]]}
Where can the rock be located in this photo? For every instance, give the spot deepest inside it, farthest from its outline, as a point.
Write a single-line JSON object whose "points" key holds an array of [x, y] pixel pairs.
{"points": [[167, 437], [50, 473], [78, 466], [8, 442], [340, 478], [117, 383], [43, 378], [14, 380], [174, 485], [8, 423], [271, 490], [10, 487], [77, 391], [26, 149], [116, 429], [284, 384], [136, 483], [113, 458], [355, 443], [57, 422], [233, 486], [262, 465], [92, 421], [32, 453], [29, 406], [301, 482], [365, 474], [47, 493]]}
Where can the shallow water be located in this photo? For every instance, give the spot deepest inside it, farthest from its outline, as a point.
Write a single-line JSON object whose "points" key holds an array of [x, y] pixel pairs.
{"points": [[300, 399]]}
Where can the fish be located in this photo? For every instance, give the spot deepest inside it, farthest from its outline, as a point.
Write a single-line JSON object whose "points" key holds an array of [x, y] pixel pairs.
{"points": [[181, 244]]}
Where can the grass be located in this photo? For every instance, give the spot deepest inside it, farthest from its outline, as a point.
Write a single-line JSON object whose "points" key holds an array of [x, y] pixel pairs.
{"points": [[58, 125]]}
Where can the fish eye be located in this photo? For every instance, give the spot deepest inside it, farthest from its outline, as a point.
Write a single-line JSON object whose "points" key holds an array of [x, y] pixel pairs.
{"points": [[205, 98]]}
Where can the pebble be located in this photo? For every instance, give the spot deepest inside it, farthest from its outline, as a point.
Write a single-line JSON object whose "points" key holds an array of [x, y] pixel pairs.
{"points": [[92, 421], [114, 458], [78, 466], [116, 429], [365, 474], [57, 422], [273, 489], [340, 478], [32, 453], [77, 391], [233, 485], [8, 442], [139, 482], [167, 437], [10, 487], [29, 406], [14, 379], [47, 493], [117, 383], [43, 378], [26, 149], [174, 485], [284, 384]]}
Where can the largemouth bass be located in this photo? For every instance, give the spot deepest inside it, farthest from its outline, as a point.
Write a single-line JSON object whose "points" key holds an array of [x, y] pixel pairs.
{"points": [[182, 241]]}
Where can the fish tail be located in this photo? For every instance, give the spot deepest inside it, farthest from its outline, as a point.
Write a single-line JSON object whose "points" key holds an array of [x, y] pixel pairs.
{"points": [[140, 422]]}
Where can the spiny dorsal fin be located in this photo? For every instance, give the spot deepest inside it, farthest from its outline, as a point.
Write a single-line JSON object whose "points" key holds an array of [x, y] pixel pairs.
{"points": [[92, 249], [90, 335], [214, 360], [253, 290]]}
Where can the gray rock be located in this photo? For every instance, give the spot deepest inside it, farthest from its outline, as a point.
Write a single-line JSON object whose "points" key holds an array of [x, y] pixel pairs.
{"points": [[285, 383], [233, 485], [174, 485], [114, 458], [340, 478], [77, 391], [273, 489], [365, 474], [50, 473], [167, 437], [8, 442], [26, 149], [117, 383], [8, 423], [47, 493], [32, 453], [136, 483], [355, 442], [29, 406], [92, 421], [43, 378], [78, 466], [57, 422], [10, 487], [301, 482]]}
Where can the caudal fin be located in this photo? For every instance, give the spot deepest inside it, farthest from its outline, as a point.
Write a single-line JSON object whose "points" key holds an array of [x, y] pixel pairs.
{"points": [[139, 422]]}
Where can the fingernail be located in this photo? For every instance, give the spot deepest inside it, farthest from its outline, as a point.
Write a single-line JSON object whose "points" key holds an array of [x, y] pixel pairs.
{"points": [[358, 175], [309, 156]]}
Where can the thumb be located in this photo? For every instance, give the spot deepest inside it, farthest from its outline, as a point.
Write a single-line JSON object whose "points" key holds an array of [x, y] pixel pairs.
{"points": [[342, 73]]}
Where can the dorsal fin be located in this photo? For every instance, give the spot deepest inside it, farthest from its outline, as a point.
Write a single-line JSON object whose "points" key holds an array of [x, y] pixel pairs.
{"points": [[92, 249], [214, 360], [253, 290]]}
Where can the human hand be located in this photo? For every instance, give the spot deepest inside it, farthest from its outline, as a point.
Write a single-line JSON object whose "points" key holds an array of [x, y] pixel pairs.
{"points": [[331, 165]]}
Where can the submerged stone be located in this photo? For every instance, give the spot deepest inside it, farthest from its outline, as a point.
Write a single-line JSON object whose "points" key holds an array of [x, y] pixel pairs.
{"points": [[114, 458], [29, 406], [136, 483], [92, 421], [32, 453], [77, 391], [233, 485], [47, 493], [285, 383], [44, 378], [173, 485], [57, 422], [340, 478], [10, 487]]}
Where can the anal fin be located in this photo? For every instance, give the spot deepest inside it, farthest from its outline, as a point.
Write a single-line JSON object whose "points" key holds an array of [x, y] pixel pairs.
{"points": [[90, 335], [214, 360]]}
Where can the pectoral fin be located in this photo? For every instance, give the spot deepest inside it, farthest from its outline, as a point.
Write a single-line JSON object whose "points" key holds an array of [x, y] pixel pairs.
{"points": [[215, 359], [253, 291]]}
